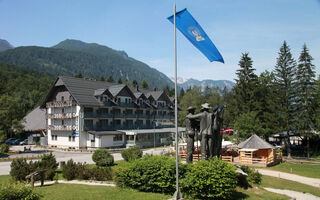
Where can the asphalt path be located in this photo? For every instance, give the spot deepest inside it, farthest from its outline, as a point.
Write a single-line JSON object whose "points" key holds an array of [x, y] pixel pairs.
{"points": [[65, 156]]}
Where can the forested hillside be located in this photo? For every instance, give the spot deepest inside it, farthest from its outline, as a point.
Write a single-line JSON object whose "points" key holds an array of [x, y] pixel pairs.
{"points": [[21, 90], [72, 57]]}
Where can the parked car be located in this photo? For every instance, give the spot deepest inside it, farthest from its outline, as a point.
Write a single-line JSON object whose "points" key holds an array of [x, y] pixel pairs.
{"points": [[9, 140], [24, 142], [15, 142]]}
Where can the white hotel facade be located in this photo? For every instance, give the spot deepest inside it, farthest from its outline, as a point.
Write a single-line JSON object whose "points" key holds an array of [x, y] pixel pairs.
{"points": [[96, 114]]}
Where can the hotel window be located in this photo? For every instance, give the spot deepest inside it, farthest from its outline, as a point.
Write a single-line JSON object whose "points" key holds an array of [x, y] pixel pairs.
{"points": [[54, 137], [72, 138], [117, 138], [62, 98]]}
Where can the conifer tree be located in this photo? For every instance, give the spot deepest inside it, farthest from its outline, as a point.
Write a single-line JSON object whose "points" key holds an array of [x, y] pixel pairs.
{"points": [[144, 84], [134, 83], [284, 71], [110, 79], [79, 75], [102, 78], [305, 94], [244, 98], [119, 81]]}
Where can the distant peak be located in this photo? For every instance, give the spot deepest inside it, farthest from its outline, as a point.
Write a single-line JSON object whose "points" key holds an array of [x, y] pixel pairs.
{"points": [[5, 45], [180, 80]]}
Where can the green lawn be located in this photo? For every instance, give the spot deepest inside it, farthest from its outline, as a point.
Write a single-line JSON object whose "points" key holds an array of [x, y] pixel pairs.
{"points": [[307, 170], [273, 182], [70, 191], [257, 194]]}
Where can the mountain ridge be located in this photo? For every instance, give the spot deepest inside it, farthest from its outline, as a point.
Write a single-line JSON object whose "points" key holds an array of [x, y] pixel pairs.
{"points": [[5, 45], [71, 57]]}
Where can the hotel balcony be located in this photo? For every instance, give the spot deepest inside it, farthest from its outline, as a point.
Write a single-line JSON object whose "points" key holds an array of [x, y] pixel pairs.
{"points": [[62, 115], [57, 104], [62, 127], [98, 115]]}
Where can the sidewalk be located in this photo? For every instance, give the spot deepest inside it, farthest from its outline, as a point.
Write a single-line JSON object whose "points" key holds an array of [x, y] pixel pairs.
{"points": [[315, 182], [293, 194]]}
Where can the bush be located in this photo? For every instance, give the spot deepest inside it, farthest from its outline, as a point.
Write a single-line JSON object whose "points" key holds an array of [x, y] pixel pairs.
{"points": [[131, 153], [100, 173], [254, 177], [20, 168], [213, 179], [102, 157], [82, 171], [4, 148], [149, 174], [17, 192], [69, 170], [48, 161]]}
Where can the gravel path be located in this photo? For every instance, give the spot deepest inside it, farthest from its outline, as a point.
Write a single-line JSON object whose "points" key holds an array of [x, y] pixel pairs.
{"points": [[294, 194], [315, 182]]}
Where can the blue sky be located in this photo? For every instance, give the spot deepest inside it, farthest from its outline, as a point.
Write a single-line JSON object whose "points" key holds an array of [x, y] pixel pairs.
{"points": [[141, 29]]}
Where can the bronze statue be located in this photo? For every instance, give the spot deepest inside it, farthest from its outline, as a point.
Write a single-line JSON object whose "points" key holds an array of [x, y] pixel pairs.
{"points": [[204, 124], [191, 126], [210, 125], [217, 123]]}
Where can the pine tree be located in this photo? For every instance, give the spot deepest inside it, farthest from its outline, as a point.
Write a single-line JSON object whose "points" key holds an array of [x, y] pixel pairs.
{"points": [[119, 81], [285, 70], [110, 79], [244, 97], [135, 83], [144, 84], [102, 78], [79, 75], [305, 94]]}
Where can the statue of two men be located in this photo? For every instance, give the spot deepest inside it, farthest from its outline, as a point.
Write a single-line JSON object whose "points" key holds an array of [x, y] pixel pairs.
{"points": [[209, 125]]}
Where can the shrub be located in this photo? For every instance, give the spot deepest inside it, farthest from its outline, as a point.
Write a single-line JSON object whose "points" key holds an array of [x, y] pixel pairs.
{"points": [[17, 192], [48, 161], [131, 153], [69, 170], [213, 179], [82, 171], [20, 168], [102, 157], [149, 174], [254, 177], [4, 148], [100, 173]]}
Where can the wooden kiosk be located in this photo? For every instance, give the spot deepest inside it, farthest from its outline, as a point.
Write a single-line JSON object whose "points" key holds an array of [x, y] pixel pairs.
{"points": [[256, 151]]}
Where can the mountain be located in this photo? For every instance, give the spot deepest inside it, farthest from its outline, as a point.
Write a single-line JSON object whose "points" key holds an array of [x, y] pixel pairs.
{"points": [[5, 45], [207, 83], [71, 57], [180, 80], [22, 90]]}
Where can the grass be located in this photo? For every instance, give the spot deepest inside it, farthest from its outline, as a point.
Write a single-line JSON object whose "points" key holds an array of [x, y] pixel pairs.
{"points": [[312, 171], [273, 182], [73, 191], [70, 191], [256, 193]]}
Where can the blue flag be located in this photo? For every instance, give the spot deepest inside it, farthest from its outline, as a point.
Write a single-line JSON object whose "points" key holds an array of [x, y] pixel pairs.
{"points": [[190, 28]]}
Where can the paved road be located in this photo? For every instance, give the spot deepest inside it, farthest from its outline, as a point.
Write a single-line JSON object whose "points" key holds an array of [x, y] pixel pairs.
{"points": [[315, 182], [66, 155], [294, 194]]}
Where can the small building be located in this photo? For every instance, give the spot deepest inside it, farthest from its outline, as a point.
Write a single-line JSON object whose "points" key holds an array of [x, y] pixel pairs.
{"points": [[256, 151], [35, 126]]}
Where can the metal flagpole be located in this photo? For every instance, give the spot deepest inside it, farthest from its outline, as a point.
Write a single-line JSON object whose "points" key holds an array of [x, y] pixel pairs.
{"points": [[177, 196]]}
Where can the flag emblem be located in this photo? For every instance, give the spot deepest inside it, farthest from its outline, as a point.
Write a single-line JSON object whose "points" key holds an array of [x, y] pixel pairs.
{"points": [[195, 32]]}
